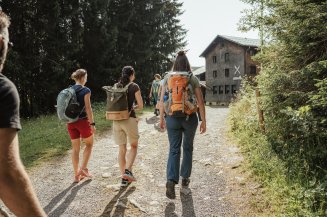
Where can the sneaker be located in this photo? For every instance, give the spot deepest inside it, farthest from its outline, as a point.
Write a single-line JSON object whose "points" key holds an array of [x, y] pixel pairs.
{"points": [[170, 190], [124, 183], [185, 182], [129, 176]]}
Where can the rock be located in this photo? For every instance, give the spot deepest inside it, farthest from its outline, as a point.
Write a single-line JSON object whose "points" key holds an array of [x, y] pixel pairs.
{"points": [[106, 175], [114, 187], [154, 203], [236, 166], [121, 204], [116, 166], [136, 205], [104, 168], [185, 191]]}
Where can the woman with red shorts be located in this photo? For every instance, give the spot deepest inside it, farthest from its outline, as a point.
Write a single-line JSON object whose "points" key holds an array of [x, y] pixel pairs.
{"points": [[84, 128]]}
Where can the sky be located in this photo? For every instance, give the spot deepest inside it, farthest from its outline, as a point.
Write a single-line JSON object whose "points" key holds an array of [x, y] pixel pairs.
{"points": [[205, 19]]}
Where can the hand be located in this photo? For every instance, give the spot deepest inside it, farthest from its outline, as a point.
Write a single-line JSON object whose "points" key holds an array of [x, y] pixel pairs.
{"points": [[93, 129], [162, 123], [203, 127]]}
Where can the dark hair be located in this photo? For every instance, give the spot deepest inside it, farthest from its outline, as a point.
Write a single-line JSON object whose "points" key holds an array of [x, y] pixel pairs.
{"points": [[181, 63], [126, 72], [78, 74]]}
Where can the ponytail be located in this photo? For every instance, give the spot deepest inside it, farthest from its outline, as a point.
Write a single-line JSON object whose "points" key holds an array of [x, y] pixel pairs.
{"points": [[126, 73]]}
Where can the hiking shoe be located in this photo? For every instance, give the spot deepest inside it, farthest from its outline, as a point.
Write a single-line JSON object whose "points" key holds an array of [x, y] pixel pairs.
{"points": [[170, 190], [129, 176], [124, 183], [185, 182]]}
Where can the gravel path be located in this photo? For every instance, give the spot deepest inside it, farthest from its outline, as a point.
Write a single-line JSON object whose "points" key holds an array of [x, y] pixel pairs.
{"points": [[216, 188]]}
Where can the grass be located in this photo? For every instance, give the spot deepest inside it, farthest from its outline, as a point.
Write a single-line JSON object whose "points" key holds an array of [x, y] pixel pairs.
{"points": [[45, 137], [283, 195]]}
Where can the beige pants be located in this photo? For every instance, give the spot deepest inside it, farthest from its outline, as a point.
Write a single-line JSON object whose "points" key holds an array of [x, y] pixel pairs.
{"points": [[126, 130]]}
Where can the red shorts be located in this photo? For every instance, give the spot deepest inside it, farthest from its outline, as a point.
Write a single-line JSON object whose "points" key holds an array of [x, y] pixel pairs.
{"points": [[79, 129]]}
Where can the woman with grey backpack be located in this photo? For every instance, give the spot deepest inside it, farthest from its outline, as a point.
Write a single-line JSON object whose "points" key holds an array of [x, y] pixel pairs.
{"points": [[83, 128]]}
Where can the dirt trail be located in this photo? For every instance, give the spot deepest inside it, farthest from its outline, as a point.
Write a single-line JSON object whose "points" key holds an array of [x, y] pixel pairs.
{"points": [[216, 188]]}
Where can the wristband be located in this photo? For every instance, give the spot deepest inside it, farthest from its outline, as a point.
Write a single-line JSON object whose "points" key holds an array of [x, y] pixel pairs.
{"points": [[92, 124]]}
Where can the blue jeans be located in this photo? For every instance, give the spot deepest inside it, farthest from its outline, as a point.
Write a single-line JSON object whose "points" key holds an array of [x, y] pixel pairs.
{"points": [[180, 129]]}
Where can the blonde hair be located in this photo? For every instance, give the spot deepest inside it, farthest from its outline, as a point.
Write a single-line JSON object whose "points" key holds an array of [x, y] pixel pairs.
{"points": [[4, 21], [157, 76], [78, 74]]}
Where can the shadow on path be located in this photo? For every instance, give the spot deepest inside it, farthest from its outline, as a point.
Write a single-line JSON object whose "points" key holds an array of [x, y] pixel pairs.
{"points": [[68, 200], [121, 205], [152, 120], [187, 204], [170, 210]]}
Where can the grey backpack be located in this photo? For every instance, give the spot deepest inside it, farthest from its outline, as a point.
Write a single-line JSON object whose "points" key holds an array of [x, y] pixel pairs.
{"points": [[68, 108]]}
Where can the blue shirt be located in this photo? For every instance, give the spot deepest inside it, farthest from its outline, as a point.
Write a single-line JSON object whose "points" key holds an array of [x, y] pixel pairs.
{"points": [[80, 98]]}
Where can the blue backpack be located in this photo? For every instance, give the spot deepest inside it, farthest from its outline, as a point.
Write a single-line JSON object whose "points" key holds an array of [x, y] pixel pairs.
{"points": [[68, 108]]}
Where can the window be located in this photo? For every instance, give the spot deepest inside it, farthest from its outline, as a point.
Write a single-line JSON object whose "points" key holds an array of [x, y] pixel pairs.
{"points": [[253, 70], [214, 74], [221, 89], [233, 89], [214, 89], [226, 73], [227, 89], [226, 57], [214, 59], [252, 52]]}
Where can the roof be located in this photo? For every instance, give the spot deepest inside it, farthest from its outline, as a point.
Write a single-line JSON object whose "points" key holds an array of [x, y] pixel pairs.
{"points": [[237, 40], [193, 68], [199, 71], [204, 84]]}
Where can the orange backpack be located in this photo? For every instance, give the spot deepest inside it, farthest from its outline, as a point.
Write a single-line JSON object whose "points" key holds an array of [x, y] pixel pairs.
{"points": [[181, 99]]}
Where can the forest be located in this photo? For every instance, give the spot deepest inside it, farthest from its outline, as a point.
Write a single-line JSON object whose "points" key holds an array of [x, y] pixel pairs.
{"points": [[53, 38]]}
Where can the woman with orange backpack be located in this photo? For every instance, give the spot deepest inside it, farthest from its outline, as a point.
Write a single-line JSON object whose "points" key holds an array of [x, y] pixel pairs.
{"points": [[184, 98]]}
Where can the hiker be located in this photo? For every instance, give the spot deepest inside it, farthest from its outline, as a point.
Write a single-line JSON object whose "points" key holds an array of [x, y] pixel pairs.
{"points": [[16, 190], [154, 92], [181, 127], [127, 130], [83, 128]]}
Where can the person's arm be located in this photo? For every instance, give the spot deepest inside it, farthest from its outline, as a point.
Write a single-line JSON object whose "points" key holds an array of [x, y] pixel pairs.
{"points": [[16, 190], [150, 94], [162, 123], [88, 110], [139, 101], [199, 98]]}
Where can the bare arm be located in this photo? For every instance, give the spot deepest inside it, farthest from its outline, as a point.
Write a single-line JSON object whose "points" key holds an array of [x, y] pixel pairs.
{"points": [[150, 94], [161, 107], [139, 101], [199, 98], [16, 190], [88, 110]]}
